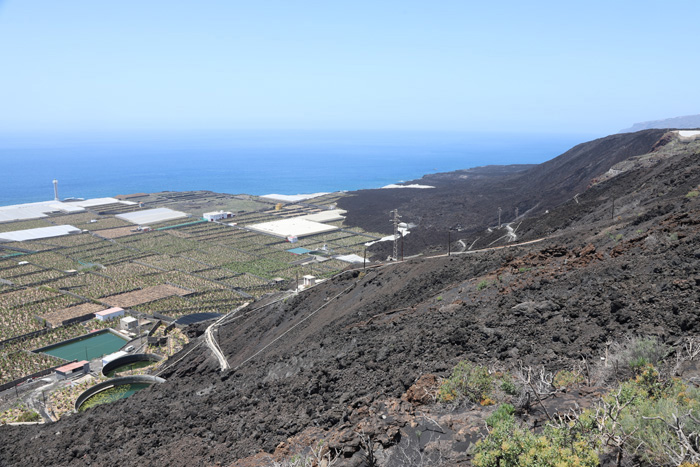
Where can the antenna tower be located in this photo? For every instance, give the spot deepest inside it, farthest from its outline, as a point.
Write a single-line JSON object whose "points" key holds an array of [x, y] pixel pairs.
{"points": [[55, 190], [395, 220]]}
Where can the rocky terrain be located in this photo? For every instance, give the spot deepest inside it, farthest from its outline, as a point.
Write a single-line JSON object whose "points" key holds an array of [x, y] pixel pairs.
{"points": [[468, 201], [351, 366]]}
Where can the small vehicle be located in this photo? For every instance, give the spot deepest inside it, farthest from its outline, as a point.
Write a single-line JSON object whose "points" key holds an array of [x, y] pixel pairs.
{"points": [[129, 348]]}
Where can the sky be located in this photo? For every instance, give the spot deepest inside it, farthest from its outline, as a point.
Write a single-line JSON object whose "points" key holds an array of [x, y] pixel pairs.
{"points": [[173, 65]]}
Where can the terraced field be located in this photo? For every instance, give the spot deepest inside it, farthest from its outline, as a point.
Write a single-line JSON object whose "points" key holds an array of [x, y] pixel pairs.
{"points": [[215, 266]]}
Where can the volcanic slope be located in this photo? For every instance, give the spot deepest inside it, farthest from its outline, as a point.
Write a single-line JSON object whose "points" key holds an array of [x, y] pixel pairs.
{"points": [[467, 201], [334, 363]]}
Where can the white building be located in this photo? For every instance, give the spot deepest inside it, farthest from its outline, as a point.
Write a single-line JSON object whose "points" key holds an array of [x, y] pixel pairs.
{"points": [[128, 323], [309, 281], [109, 313], [217, 215]]}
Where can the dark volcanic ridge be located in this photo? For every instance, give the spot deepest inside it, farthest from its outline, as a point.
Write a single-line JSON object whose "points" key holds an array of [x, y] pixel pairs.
{"points": [[466, 202]]}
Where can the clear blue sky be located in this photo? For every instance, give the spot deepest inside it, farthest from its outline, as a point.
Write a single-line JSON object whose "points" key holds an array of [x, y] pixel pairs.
{"points": [[590, 67]]}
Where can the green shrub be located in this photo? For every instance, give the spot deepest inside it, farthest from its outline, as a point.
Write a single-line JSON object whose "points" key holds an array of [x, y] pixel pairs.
{"points": [[509, 445], [692, 194], [509, 387], [482, 285], [566, 378], [469, 381], [648, 414], [635, 354], [500, 415], [29, 416]]}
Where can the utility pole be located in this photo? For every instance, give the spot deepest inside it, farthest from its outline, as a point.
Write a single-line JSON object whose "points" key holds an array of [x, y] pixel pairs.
{"points": [[499, 217], [449, 242], [364, 261], [612, 213], [516, 213], [395, 220]]}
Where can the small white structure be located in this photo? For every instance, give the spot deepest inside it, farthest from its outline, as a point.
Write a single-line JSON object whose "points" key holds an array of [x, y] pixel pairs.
{"points": [[217, 215], [128, 323], [309, 280], [109, 313], [292, 239]]}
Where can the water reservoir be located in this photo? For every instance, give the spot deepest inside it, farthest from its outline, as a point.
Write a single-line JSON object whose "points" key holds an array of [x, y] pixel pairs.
{"points": [[89, 347], [128, 363], [113, 390]]}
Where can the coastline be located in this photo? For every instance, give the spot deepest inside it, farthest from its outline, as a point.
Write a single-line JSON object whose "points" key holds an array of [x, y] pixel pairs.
{"points": [[257, 165]]}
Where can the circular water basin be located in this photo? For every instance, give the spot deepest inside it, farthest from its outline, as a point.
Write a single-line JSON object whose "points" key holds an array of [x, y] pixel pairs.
{"points": [[113, 390]]}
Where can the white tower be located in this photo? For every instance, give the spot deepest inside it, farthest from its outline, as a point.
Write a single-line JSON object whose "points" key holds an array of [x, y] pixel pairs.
{"points": [[55, 190]]}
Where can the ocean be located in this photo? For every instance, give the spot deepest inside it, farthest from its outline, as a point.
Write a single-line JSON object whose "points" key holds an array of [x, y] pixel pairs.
{"points": [[252, 162]]}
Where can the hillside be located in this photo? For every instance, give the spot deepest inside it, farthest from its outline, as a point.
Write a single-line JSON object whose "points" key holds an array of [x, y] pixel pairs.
{"points": [[339, 363], [688, 121], [466, 203]]}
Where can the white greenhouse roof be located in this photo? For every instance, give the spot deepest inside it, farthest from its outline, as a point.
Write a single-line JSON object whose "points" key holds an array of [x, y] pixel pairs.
{"points": [[293, 198], [326, 216], [350, 258], [18, 212], [41, 232], [151, 216], [296, 226], [88, 203]]}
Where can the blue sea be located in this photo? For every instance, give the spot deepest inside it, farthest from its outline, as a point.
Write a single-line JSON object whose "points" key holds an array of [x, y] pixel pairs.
{"points": [[252, 162]]}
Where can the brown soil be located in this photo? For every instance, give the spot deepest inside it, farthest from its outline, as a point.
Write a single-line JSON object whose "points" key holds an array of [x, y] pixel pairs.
{"points": [[147, 295]]}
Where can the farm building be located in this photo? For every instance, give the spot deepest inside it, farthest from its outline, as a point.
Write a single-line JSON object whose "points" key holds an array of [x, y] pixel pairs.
{"points": [[309, 280], [73, 369], [128, 323], [109, 313], [151, 216], [217, 215]]}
